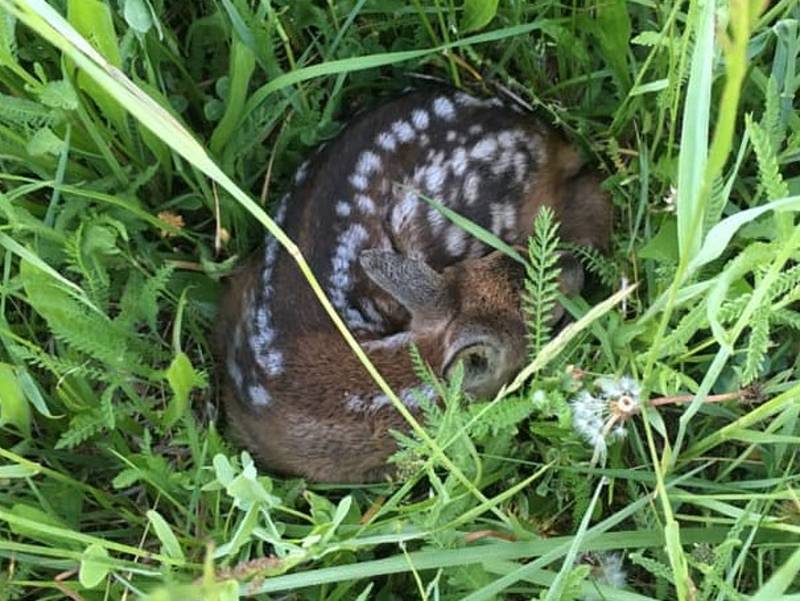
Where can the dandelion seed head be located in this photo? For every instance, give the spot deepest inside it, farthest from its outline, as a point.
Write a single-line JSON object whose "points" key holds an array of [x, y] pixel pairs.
{"points": [[607, 568], [600, 418], [612, 572]]}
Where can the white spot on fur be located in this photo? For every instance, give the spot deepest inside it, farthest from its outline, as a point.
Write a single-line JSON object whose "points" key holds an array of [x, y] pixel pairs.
{"points": [[274, 363], [376, 402], [410, 396], [368, 163], [342, 209], [404, 211], [502, 163], [484, 149], [436, 221], [368, 307], [355, 321], [506, 139], [420, 119], [386, 141], [458, 163], [358, 181], [394, 341], [520, 166], [451, 135], [379, 401], [455, 241], [476, 129], [444, 108], [365, 204], [264, 334], [302, 172], [349, 243], [355, 403], [403, 131], [466, 100], [234, 371], [504, 217], [259, 396], [471, 186], [434, 178]]}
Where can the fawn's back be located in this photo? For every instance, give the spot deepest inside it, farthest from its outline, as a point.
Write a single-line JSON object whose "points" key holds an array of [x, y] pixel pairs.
{"points": [[398, 272]]}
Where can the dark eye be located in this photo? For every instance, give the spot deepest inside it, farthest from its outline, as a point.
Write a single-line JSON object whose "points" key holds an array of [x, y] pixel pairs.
{"points": [[475, 362]]}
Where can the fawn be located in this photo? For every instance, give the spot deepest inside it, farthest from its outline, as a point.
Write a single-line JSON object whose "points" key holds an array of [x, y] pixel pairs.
{"points": [[398, 272]]}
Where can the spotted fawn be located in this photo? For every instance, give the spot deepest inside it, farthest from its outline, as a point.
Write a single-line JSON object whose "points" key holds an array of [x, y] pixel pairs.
{"points": [[398, 272]]}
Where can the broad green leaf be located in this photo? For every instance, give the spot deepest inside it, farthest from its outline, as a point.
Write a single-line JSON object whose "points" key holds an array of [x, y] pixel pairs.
{"points": [[247, 489], [14, 408], [663, 247], [169, 543], [94, 566], [223, 469], [242, 64], [242, 535], [720, 235], [182, 378], [613, 28], [680, 567], [137, 15], [226, 590], [650, 38], [8, 42], [37, 516], [477, 14], [650, 86], [18, 471], [33, 394], [693, 154], [35, 262], [94, 21]]}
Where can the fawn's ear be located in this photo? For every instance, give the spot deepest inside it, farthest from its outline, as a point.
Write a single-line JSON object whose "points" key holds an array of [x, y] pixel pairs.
{"points": [[412, 283]]}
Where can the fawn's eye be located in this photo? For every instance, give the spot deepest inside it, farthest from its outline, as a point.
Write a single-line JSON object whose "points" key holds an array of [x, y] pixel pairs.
{"points": [[477, 361]]}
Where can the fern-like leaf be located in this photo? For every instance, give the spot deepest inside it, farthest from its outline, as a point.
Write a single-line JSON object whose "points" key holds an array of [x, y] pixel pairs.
{"points": [[595, 263], [716, 204], [541, 281], [23, 114], [656, 568], [757, 345], [771, 121], [785, 317], [769, 174], [687, 327]]}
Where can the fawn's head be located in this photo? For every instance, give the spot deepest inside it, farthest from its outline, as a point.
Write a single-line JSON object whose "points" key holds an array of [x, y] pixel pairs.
{"points": [[470, 313]]}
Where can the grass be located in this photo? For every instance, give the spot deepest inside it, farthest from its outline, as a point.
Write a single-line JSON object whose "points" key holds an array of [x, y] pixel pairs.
{"points": [[123, 201]]}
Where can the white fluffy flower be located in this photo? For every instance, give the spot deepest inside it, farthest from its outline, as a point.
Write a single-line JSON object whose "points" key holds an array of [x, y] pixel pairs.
{"points": [[600, 418], [606, 569]]}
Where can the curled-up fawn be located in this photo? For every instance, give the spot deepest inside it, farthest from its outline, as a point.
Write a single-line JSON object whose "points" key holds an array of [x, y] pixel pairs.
{"points": [[398, 272]]}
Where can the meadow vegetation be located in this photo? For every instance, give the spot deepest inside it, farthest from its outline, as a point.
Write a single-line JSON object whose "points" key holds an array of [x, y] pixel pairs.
{"points": [[648, 451]]}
